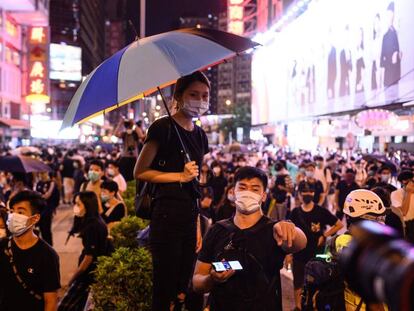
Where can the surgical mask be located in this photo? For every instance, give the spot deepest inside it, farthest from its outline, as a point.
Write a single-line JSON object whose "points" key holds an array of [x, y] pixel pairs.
{"points": [[129, 131], [310, 174], [17, 224], [216, 170], [307, 198], [104, 198], [93, 176], [385, 178], [231, 197], [111, 172], [302, 171], [247, 202], [3, 233], [77, 211], [195, 108]]}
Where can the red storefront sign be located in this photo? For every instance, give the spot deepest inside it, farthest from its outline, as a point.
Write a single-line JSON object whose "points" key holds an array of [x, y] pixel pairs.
{"points": [[38, 65]]}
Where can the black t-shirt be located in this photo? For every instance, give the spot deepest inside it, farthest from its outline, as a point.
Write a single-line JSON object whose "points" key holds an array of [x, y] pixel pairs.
{"points": [[218, 184], [43, 187], [38, 266], [116, 215], [225, 211], [345, 189], [169, 157], [94, 240], [68, 168], [313, 224], [236, 293]]}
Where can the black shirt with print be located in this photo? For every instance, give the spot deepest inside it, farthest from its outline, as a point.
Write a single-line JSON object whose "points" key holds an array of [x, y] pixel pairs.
{"points": [[313, 224], [38, 266]]}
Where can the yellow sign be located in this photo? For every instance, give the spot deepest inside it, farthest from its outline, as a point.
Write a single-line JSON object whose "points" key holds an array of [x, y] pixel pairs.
{"points": [[37, 70], [37, 35]]}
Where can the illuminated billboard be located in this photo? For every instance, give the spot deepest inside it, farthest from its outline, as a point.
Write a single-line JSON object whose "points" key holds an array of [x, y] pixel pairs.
{"points": [[65, 62], [337, 56]]}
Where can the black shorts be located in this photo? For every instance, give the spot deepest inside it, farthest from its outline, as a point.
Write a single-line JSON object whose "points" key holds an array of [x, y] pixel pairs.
{"points": [[298, 270]]}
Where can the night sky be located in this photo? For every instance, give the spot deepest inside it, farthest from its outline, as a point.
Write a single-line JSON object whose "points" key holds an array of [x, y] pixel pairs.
{"points": [[163, 15]]}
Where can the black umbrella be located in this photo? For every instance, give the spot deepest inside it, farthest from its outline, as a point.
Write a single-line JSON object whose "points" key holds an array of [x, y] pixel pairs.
{"points": [[22, 164]]}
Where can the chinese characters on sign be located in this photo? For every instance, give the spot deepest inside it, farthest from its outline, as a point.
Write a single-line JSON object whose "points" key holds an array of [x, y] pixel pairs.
{"points": [[38, 77], [235, 17]]}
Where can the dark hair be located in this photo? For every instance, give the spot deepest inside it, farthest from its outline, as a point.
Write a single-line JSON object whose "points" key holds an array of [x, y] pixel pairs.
{"points": [[97, 163], [349, 171], [384, 195], [318, 158], [90, 201], [37, 203], [405, 175], [306, 187], [139, 123], [184, 82], [114, 163], [382, 169], [311, 164], [249, 172], [110, 185]]}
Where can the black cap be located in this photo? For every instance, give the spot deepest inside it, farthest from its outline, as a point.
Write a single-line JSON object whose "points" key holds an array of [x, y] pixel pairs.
{"points": [[306, 187]]}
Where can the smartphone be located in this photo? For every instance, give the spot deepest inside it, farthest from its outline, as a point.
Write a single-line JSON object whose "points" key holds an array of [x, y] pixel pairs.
{"points": [[221, 266]]}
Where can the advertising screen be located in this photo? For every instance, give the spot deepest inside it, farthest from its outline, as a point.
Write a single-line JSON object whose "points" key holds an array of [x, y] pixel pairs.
{"points": [[65, 62], [337, 56]]}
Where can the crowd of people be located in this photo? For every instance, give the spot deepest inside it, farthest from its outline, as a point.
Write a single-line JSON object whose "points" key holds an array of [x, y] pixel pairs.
{"points": [[256, 207]]}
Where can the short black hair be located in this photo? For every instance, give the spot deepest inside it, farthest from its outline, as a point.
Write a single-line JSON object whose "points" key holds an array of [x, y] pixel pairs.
{"points": [[305, 186], [384, 195], [249, 172], [114, 163], [382, 169], [37, 203], [110, 185], [405, 175], [97, 163], [349, 171]]}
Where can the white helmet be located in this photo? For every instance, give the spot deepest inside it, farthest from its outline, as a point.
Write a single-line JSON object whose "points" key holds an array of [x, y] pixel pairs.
{"points": [[361, 202]]}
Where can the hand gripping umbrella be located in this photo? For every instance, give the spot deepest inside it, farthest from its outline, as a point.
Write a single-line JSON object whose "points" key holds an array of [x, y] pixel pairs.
{"points": [[149, 64]]}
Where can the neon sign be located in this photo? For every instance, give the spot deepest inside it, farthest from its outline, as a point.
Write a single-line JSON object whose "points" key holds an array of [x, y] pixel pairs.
{"points": [[235, 15]]}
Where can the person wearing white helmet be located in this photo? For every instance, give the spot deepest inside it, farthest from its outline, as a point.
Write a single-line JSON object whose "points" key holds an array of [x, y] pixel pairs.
{"points": [[364, 204]]}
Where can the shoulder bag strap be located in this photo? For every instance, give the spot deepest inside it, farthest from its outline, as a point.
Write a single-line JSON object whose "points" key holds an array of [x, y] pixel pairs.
{"points": [[9, 253]]}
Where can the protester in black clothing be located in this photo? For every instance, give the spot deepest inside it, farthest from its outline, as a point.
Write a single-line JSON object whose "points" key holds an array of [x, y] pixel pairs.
{"points": [[217, 182], [174, 218], [93, 233], [113, 209], [4, 232], [67, 170], [48, 189], [78, 176], [393, 217], [29, 267], [280, 192], [319, 196], [259, 244], [313, 220], [385, 182], [343, 188], [228, 207]]}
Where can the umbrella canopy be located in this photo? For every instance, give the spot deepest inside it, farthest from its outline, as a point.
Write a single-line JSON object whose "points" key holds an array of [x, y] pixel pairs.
{"points": [[148, 63], [22, 164]]}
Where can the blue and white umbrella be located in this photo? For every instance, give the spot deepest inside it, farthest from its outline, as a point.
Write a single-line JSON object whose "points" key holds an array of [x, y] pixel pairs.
{"points": [[146, 64]]}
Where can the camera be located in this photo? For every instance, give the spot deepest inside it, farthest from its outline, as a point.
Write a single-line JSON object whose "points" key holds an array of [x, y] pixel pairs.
{"points": [[379, 266]]}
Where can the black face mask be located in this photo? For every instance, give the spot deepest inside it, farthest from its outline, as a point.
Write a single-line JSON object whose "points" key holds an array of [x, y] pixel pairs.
{"points": [[307, 198]]}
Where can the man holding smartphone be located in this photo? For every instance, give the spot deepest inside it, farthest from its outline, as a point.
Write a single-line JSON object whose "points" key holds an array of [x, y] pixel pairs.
{"points": [[250, 241]]}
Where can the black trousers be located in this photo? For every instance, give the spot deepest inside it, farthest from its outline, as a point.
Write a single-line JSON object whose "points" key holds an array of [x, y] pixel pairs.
{"points": [[45, 226], [409, 231], [172, 243]]}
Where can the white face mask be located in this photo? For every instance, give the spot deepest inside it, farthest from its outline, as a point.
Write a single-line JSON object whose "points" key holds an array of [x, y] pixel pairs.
{"points": [[247, 202], [111, 172], [217, 170], [231, 197], [77, 211], [17, 224], [195, 108], [3, 233]]}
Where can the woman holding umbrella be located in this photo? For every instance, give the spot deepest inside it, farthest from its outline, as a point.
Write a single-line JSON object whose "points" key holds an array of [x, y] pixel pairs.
{"points": [[173, 228]]}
